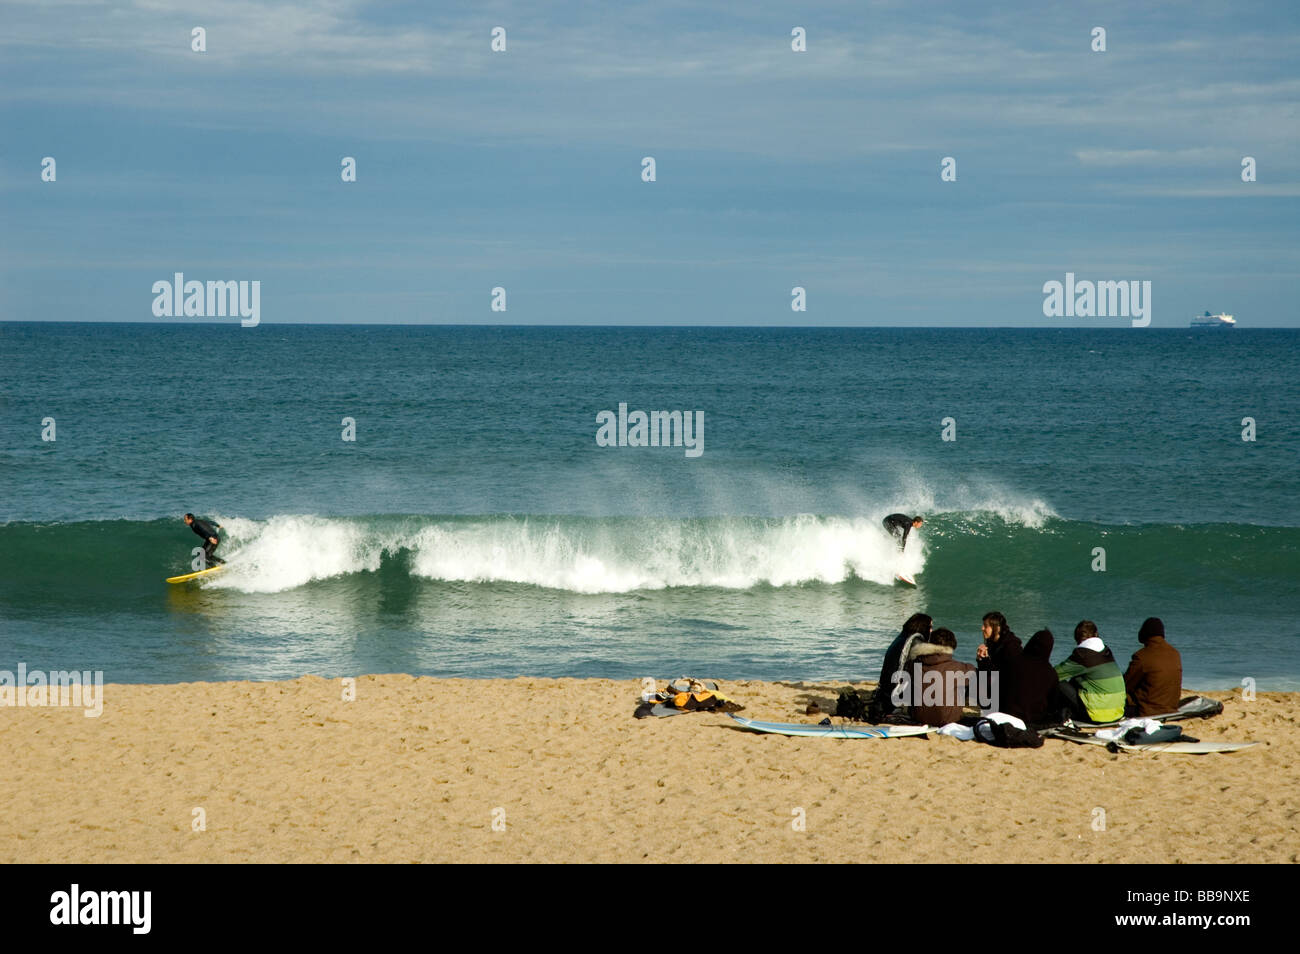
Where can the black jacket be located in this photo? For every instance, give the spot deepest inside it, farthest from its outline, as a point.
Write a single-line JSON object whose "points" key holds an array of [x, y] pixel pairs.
{"points": [[881, 704], [1027, 683], [1001, 653]]}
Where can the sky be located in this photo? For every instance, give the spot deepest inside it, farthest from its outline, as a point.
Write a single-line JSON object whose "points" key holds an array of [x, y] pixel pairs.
{"points": [[774, 169]]}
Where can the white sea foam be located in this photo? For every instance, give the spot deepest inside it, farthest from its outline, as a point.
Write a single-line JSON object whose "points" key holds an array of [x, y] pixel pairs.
{"points": [[580, 555], [616, 555], [288, 551], [640, 554]]}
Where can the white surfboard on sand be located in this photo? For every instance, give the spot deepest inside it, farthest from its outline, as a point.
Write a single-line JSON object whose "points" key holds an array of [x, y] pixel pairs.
{"points": [[803, 730], [1186, 748], [1192, 707]]}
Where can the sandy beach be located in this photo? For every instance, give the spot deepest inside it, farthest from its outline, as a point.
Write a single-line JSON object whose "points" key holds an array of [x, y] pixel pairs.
{"points": [[434, 770]]}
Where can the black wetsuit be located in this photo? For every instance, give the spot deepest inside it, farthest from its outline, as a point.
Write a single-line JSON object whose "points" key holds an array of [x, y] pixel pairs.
{"points": [[207, 531], [900, 525]]}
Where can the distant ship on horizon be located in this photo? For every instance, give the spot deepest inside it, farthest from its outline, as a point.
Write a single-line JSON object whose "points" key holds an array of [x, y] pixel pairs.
{"points": [[1208, 320]]}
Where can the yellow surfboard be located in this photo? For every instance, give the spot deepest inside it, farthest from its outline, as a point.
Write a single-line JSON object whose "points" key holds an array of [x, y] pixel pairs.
{"points": [[194, 576]]}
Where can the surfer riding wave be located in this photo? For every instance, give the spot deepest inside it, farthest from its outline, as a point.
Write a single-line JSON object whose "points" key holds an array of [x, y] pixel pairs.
{"points": [[900, 525], [208, 531]]}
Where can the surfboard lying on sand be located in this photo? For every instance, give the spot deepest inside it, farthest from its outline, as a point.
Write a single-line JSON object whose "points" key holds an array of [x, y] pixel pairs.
{"points": [[194, 576], [1193, 707], [803, 730], [1187, 748]]}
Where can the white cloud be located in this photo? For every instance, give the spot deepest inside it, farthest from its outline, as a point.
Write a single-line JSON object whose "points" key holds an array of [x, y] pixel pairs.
{"points": [[877, 78], [1239, 190], [1154, 157]]}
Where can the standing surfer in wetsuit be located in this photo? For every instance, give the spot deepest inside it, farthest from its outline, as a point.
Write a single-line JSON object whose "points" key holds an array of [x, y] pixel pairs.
{"points": [[208, 531], [900, 525]]}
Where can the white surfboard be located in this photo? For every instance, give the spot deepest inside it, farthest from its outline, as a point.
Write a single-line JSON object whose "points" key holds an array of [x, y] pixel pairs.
{"points": [[1186, 748], [1193, 707], [804, 730]]}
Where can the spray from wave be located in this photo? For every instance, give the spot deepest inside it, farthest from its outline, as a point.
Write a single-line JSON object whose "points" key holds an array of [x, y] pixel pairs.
{"points": [[582, 555], [619, 554], [290, 551], [974, 500]]}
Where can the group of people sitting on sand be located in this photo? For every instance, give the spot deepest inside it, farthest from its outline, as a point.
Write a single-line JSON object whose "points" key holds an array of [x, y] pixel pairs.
{"points": [[1085, 687]]}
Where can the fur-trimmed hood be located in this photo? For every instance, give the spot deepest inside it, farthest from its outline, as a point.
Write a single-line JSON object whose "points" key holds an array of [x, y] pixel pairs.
{"points": [[922, 648]]}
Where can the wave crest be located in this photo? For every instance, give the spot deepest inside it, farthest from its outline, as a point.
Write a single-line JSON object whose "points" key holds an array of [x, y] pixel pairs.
{"points": [[582, 555]]}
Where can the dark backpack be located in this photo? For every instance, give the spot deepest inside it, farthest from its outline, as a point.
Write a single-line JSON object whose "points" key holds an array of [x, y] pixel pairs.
{"points": [[851, 704], [1007, 736]]}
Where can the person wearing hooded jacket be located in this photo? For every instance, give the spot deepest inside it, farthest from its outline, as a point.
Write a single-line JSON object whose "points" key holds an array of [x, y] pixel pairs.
{"points": [[1027, 685], [1091, 684], [1153, 683], [932, 660], [917, 627]]}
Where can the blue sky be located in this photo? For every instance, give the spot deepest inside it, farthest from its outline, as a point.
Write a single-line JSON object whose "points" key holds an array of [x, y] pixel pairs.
{"points": [[775, 169]]}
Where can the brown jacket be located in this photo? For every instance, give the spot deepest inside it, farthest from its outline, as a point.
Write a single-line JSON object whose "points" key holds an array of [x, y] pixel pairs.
{"points": [[1154, 681], [952, 693]]}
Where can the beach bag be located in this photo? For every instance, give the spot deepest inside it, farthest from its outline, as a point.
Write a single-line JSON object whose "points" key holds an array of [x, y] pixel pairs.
{"points": [[851, 704], [1005, 735], [684, 695]]}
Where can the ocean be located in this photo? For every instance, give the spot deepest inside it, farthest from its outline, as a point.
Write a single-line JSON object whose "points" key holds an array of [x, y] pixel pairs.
{"points": [[475, 526]]}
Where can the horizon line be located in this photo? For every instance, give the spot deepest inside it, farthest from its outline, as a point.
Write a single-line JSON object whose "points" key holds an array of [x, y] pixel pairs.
{"points": [[199, 322]]}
